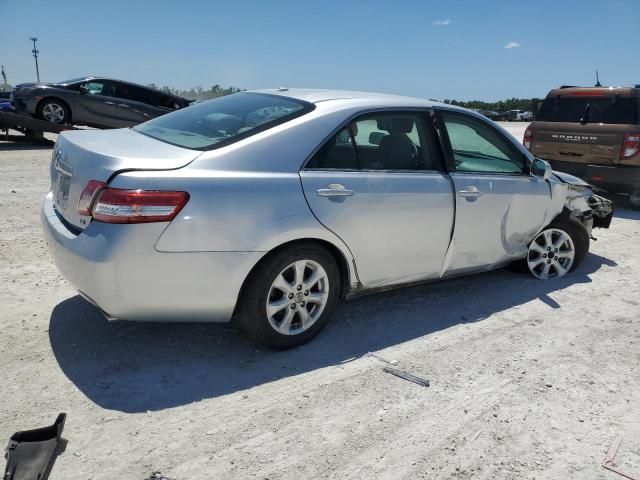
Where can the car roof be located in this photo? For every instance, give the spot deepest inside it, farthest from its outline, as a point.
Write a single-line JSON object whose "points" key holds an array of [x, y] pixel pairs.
{"points": [[569, 91], [93, 77], [313, 95]]}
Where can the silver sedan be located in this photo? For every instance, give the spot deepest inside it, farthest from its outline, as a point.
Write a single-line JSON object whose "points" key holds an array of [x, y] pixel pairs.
{"points": [[267, 207]]}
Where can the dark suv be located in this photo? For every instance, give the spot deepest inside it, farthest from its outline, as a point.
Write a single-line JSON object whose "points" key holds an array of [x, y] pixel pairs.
{"points": [[592, 133], [92, 101]]}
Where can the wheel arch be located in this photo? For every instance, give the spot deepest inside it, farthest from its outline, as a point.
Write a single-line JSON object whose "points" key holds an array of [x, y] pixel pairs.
{"points": [[341, 261]]}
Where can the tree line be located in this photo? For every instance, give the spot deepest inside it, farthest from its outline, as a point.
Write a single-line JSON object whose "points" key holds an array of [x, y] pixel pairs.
{"points": [[199, 93], [500, 106]]}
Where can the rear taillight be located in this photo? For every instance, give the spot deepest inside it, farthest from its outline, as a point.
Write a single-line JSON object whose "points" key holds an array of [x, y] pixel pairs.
{"points": [[115, 205], [528, 137], [630, 145], [88, 195]]}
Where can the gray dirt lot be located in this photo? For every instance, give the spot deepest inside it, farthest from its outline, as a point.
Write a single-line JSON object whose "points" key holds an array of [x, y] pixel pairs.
{"points": [[529, 379]]}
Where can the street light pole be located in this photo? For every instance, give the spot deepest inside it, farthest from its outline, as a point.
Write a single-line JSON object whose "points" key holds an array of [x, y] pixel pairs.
{"points": [[35, 52]]}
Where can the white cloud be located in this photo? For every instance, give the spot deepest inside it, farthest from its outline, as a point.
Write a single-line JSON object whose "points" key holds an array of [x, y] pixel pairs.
{"points": [[512, 45], [442, 23]]}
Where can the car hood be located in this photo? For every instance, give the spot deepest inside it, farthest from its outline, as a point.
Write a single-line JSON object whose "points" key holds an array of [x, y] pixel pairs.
{"points": [[571, 180], [35, 85]]}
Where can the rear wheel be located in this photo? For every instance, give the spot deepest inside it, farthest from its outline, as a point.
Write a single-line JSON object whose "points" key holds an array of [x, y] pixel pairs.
{"points": [[557, 250], [54, 111], [290, 296]]}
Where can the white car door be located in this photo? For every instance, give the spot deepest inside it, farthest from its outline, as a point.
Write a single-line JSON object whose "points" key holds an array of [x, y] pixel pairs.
{"points": [[500, 206], [380, 187]]}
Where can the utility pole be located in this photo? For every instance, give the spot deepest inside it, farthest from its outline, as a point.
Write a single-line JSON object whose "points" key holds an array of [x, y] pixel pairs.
{"points": [[35, 55]]}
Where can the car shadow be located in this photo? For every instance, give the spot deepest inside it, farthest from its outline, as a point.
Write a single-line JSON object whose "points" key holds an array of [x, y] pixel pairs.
{"points": [[135, 367], [623, 208]]}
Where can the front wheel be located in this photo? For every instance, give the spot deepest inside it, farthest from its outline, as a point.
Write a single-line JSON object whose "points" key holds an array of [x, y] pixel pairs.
{"points": [[557, 250], [54, 111], [290, 296]]}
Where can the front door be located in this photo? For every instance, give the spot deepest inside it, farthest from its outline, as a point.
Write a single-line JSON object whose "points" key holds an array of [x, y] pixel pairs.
{"points": [[378, 185], [97, 104], [499, 205]]}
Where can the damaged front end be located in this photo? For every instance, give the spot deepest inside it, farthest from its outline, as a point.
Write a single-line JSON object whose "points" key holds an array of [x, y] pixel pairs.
{"points": [[585, 206]]}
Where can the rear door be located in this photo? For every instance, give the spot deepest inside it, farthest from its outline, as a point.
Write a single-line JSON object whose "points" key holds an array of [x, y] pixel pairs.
{"points": [[583, 129], [134, 105], [499, 205], [378, 184]]}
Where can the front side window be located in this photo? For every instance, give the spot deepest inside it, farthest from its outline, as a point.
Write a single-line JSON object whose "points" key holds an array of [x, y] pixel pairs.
{"points": [[224, 120], [98, 87], [380, 141], [477, 147]]}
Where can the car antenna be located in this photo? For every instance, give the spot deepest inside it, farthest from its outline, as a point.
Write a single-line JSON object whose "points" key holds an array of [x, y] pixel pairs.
{"points": [[598, 84]]}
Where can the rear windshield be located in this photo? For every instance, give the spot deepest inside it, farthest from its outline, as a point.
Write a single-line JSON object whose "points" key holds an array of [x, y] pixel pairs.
{"points": [[224, 120], [589, 110]]}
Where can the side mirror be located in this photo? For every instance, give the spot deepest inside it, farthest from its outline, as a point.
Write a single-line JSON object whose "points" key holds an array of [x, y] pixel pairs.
{"points": [[376, 137], [83, 89], [541, 168]]}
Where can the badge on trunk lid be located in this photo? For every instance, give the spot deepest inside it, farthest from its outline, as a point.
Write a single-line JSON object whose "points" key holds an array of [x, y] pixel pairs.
{"points": [[63, 180]]}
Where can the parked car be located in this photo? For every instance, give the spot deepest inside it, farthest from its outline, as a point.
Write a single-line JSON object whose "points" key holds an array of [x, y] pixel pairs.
{"points": [[519, 116], [593, 133], [270, 206], [93, 101]]}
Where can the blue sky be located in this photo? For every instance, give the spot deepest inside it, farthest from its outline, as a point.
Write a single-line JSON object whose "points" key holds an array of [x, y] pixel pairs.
{"points": [[452, 49]]}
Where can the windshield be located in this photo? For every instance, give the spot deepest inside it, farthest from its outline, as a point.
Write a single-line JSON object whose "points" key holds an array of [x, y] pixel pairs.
{"points": [[223, 120], [600, 110]]}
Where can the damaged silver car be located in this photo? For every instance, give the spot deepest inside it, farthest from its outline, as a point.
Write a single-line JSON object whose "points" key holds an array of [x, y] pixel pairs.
{"points": [[269, 206]]}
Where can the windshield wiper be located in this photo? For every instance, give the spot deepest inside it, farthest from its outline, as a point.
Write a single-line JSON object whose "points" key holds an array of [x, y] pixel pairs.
{"points": [[584, 120]]}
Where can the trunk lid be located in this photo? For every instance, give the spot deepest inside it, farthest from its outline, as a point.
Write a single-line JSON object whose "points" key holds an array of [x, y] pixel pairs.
{"points": [[594, 144], [83, 155]]}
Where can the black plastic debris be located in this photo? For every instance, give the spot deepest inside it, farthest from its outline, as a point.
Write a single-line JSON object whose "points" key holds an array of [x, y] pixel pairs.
{"points": [[29, 452], [423, 382]]}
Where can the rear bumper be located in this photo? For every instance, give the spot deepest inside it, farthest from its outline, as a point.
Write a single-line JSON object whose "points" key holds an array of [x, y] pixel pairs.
{"points": [[624, 179], [117, 268]]}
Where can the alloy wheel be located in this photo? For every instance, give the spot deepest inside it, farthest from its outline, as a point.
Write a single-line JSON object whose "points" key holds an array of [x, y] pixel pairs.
{"points": [[551, 254], [297, 297], [52, 112]]}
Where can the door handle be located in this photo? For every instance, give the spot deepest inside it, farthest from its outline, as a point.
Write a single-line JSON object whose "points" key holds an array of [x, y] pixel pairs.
{"points": [[109, 103], [334, 190], [470, 192], [123, 105]]}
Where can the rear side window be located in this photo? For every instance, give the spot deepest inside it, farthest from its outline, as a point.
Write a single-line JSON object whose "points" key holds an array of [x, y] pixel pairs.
{"points": [[131, 92], [379, 141], [224, 120], [589, 110], [338, 153]]}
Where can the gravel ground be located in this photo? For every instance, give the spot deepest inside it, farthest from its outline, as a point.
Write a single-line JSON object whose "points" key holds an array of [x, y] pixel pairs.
{"points": [[529, 379]]}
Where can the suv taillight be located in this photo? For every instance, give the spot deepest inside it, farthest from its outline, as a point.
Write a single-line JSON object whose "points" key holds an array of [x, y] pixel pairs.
{"points": [[528, 137], [630, 145], [117, 205]]}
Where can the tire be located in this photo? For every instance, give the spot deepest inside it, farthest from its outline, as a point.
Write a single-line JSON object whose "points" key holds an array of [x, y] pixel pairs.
{"points": [[543, 256], [54, 111], [265, 286]]}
